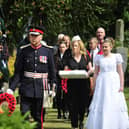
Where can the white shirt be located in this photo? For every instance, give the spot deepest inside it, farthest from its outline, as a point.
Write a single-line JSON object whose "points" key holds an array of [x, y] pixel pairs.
{"points": [[61, 55], [94, 52]]}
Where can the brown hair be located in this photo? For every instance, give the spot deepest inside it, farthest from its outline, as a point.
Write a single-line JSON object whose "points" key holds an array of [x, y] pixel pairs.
{"points": [[62, 42], [94, 39], [110, 40]]}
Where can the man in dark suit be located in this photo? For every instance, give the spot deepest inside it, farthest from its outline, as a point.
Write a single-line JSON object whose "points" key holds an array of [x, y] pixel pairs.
{"points": [[33, 69]]}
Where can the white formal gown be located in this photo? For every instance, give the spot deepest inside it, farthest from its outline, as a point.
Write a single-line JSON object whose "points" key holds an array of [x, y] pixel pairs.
{"points": [[108, 109]]}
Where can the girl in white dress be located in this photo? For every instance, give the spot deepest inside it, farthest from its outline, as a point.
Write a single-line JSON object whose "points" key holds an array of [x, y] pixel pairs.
{"points": [[108, 109]]}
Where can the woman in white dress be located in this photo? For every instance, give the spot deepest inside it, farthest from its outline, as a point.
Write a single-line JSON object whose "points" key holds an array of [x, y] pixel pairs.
{"points": [[108, 109]]}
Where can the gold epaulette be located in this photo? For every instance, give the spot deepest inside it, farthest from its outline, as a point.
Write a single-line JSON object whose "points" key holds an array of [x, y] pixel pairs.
{"points": [[24, 46]]}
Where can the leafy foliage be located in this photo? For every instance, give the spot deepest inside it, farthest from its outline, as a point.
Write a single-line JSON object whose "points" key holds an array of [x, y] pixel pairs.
{"points": [[16, 121], [63, 16]]}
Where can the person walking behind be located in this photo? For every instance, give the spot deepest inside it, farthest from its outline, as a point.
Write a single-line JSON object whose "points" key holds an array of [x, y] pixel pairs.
{"points": [[93, 50], [60, 94], [67, 53], [108, 109], [100, 34], [56, 46]]}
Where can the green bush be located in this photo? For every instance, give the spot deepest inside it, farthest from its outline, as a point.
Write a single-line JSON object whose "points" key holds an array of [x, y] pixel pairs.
{"points": [[16, 121]]}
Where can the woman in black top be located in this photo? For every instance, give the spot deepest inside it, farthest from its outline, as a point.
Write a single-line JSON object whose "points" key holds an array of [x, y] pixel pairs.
{"points": [[79, 88], [60, 95]]}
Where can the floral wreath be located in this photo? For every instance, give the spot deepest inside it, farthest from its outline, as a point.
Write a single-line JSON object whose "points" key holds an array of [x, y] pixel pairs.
{"points": [[10, 99]]}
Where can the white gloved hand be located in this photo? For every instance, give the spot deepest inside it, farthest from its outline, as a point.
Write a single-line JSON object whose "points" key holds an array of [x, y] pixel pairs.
{"points": [[9, 91], [52, 93], [3, 89], [4, 35]]}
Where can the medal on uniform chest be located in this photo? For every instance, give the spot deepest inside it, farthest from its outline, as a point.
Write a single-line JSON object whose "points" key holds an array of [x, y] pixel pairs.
{"points": [[43, 59]]}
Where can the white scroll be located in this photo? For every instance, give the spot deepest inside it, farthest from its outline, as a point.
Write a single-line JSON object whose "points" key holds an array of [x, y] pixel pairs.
{"points": [[73, 74]]}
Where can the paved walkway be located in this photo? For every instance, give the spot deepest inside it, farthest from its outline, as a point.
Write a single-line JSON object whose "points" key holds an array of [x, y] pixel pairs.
{"points": [[51, 121]]}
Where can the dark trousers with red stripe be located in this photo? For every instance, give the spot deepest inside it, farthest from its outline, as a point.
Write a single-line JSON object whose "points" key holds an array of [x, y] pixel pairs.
{"points": [[34, 105]]}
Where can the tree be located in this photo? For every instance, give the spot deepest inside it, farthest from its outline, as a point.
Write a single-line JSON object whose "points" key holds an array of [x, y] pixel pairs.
{"points": [[81, 17]]}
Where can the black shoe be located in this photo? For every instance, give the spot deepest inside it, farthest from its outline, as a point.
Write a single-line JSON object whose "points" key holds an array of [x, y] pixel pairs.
{"points": [[69, 117], [64, 117], [81, 126], [59, 117]]}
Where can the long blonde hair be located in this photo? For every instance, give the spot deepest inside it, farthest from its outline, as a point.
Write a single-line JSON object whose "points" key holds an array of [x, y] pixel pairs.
{"points": [[82, 46]]}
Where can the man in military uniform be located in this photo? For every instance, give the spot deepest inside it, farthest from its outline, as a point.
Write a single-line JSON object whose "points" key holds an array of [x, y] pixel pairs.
{"points": [[34, 68]]}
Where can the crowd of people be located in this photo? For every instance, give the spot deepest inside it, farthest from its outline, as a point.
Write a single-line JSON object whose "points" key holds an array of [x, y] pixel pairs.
{"points": [[99, 96]]}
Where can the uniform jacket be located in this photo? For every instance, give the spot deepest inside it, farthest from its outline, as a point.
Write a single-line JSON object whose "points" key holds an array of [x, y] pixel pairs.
{"points": [[35, 60]]}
